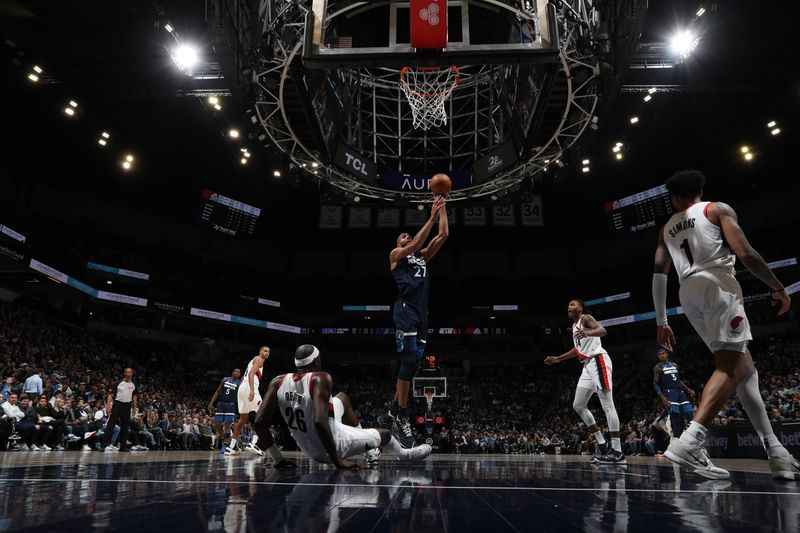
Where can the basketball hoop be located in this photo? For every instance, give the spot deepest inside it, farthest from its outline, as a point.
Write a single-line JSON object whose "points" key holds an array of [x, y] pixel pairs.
{"points": [[429, 393], [427, 89]]}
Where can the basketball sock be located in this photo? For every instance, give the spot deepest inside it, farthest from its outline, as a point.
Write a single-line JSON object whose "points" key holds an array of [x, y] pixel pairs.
{"points": [[616, 445], [232, 445], [598, 436], [695, 434], [254, 440], [753, 404]]}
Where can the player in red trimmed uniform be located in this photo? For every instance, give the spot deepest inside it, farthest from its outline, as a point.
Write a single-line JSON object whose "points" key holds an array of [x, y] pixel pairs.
{"points": [[249, 400], [595, 378], [701, 239]]}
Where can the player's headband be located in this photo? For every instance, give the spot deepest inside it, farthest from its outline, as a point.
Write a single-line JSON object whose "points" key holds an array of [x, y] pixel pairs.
{"points": [[308, 360]]}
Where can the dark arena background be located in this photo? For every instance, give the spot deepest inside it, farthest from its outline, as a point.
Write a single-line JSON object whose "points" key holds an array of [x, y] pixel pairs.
{"points": [[182, 183]]}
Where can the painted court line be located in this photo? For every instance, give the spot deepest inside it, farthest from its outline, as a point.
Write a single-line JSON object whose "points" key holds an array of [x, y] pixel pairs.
{"points": [[412, 486]]}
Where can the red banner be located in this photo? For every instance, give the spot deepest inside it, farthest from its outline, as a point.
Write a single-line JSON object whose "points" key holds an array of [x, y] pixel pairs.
{"points": [[428, 23], [438, 420]]}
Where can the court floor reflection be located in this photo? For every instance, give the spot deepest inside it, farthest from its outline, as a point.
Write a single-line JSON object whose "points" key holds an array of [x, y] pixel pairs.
{"points": [[200, 491]]}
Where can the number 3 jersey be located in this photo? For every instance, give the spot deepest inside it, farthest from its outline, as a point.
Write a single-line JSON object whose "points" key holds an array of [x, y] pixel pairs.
{"points": [[411, 276], [695, 243]]}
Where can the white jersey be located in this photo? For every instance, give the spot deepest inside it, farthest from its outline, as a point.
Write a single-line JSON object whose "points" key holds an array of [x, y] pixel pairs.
{"points": [[695, 244], [297, 408], [586, 347], [256, 376]]}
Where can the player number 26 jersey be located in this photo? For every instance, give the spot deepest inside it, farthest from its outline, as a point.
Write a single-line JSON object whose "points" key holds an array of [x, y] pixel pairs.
{"points": [[297, 408], [695, 244]]}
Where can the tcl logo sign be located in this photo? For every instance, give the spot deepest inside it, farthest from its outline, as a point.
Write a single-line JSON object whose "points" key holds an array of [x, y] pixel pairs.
{"points": [[430, 13]]}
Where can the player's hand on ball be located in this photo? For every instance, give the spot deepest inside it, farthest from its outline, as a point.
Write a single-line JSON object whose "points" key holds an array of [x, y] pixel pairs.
{"points": [[346, 465], [550, 360], [284, 463], [665, 337]]}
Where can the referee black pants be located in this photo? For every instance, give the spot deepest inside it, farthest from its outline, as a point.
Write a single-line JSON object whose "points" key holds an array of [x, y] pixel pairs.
{"points": [[120, 416]]}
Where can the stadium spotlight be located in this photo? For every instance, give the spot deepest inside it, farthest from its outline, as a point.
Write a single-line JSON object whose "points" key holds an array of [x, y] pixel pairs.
{"points": [[69, 111], [701, 11], [246, 154], [276, 173], [243, 161], [634, 120], [420, 207], [169, 27], [683, 43], [748, 156], [744, 149], [618, 156], [37, 69], [546, 161], [33, 77], [105, 135], [186, 57], [651, 90], [234, 134], [102, 142], [771, 124], [776, 131], [213, 100], [314, 164], [647, 98], [616, 148], [109, 282], [73, 103], [585, 162], [218, 107], [126, 165], [129, 158], [585, 169]]}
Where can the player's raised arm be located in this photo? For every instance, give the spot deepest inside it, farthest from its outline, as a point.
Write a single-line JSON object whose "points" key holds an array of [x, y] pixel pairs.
{"points": [[436, 243], [422, 235], [725, 217], [661, 267], [263, 418], [322, 387]]}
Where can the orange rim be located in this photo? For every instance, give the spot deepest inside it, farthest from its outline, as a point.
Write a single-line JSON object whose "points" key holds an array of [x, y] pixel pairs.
{"points": [[404, 83]]}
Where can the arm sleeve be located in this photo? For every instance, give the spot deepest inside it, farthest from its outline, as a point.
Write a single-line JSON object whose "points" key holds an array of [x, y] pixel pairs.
{"points": [[660, 298]]}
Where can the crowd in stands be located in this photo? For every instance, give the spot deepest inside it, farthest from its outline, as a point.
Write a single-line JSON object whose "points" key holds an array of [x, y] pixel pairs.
{"points": [[56, 379]]}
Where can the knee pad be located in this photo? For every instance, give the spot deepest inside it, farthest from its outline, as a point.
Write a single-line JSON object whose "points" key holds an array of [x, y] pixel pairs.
{"points": [[409, 363]]}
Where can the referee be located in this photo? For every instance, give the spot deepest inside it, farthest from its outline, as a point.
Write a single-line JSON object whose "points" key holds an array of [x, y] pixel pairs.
{"points": [[121, 410]]}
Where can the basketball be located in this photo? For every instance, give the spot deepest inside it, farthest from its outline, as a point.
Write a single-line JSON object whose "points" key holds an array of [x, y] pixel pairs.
{"points": [[440, 184]]}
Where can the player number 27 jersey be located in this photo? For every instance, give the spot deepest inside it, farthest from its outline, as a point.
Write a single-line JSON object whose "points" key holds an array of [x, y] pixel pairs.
{"points": [[695, 244]]}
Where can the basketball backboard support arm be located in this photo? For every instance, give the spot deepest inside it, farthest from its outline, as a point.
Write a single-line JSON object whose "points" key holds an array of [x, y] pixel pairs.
{"points": [[317, 54]]}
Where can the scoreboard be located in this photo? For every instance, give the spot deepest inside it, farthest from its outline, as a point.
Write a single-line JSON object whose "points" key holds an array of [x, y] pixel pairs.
{"points": [[640, 211], [227, 215]]}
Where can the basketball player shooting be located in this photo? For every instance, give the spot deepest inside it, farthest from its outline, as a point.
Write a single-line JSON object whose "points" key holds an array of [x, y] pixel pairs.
{"points": [[408, 262], [595, 378], [324, 426], [694, 239]]}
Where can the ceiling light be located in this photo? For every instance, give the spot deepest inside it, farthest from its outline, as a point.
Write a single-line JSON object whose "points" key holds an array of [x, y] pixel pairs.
{"points": [[126, 165], [546, 161], [218, 107], [186, 57], [651, 90], [108, 282], [771, 124], [701, 11], [314, 164], [69, 111], [420, 207], [616, 149], [648, 98], [129, 158], [617, 143], [776, 131], [234, 134], [683, 42], [33, 77], [101, 142], [276, 173], [169, 27], [73, 103], [585, 169], [748, 156], [356, 200], [243, 161], [37, 69], [585, 161], [618, 156], [105, 135], [247, 155], [744, 149], [634, 120], [213, 100]]}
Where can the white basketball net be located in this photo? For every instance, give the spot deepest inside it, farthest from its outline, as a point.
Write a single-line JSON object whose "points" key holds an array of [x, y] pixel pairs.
{"points": [[427, 89]]}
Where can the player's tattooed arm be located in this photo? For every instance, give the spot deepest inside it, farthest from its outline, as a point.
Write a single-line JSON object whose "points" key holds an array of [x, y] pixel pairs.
{"points": [[591, 328]]}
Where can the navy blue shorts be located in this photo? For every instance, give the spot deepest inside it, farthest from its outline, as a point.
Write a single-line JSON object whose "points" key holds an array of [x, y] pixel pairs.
{"points": [[410, 321], [678, 402], [226, 412]]}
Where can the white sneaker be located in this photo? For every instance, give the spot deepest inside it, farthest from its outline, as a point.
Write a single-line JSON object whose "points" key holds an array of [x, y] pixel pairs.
{"points": [[34, 448], [86, 448], [58, 448], [372, 456], [784, 467], [253, 448], [111, 448], [694, 458], [417, 453], [45, 448], [230, 451]]}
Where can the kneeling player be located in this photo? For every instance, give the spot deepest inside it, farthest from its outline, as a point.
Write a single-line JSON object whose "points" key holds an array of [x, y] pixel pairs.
{"points": [[324, 426]]}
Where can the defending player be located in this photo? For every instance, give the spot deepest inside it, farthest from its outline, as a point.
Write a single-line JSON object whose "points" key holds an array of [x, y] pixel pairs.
{"points": [[323, 426], [226, 408], [694, 239], [249, 400], [672, 392], [595, 378], [409, 265]]}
